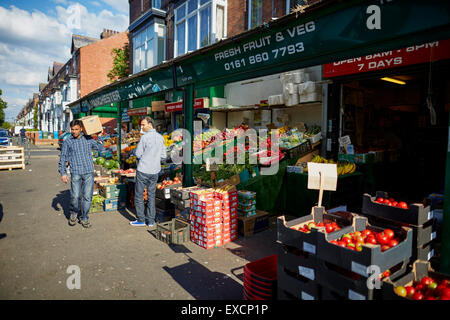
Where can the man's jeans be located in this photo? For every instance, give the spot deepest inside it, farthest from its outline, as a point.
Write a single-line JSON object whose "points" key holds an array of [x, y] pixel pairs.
{"points": [[81, 185], [145, 180]]}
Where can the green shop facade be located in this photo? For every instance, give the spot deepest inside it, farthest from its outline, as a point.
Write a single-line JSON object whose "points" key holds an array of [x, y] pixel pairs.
{"points": [[326, 32]]}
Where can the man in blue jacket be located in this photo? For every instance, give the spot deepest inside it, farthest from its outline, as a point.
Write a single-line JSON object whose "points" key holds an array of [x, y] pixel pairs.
{"points": [[77, 151]]}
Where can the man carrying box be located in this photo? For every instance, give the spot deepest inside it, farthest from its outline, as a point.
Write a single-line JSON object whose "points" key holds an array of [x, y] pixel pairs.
{"points": [[77, 151], [150, 150]]}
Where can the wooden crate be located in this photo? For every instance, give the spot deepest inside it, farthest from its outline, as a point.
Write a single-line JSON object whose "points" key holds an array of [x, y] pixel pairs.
{"points": [[12, 157]]}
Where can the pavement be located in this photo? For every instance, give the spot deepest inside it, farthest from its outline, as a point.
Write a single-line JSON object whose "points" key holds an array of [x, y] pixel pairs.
{"points": [[41, 255]]}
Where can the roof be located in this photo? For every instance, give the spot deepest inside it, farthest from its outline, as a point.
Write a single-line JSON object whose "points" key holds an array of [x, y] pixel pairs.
{"points": [[79, 41]]}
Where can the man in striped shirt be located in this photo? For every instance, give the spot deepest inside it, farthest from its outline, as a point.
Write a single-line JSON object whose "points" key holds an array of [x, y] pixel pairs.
{"points": [[77, 151]]}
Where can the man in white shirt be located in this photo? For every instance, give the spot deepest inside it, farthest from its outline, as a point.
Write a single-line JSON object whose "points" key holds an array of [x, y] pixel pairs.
{"points": [[149, 152]]}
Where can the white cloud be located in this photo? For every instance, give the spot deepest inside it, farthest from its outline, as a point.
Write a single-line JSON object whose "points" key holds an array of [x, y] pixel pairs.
{"points": [[96, 3], [90, 24], [31, 41], [120, 5]]}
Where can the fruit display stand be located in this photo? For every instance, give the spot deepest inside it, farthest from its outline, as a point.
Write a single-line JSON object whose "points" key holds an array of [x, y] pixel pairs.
{"points": [[396, 288]]}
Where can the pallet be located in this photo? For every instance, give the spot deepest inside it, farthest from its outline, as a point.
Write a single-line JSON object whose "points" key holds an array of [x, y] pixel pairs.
{"points": [[12, 157]]}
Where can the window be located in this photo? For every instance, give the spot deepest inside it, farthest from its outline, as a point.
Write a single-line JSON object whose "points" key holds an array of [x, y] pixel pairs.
{"points": [[156, 4], [254, 13], [148, 46], [199, 23]]}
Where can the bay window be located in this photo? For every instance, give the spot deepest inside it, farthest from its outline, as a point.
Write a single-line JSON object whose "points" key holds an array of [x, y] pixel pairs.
{"points": [[254, 13], [148, 47], [199, 23]]}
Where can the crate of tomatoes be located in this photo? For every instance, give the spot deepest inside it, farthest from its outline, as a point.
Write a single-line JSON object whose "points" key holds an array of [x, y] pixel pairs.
{"points": [[422, 283], [359, 247], [303, 232], [395, 210]]}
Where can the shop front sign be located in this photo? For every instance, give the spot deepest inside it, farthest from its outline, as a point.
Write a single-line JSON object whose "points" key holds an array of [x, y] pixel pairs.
{"points": [[428, 52]]}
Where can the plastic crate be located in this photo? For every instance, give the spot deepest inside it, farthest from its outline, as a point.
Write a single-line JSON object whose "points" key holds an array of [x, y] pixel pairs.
{"points": [[96, 208], [419, 270], [359, 261], [416, 214], [286, 234], [165, 192], [175, 231], [299, 150]]}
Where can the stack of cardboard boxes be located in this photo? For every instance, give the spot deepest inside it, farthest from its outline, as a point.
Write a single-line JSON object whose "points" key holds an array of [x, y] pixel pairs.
{"points": [[115, 196], [213, 217]]}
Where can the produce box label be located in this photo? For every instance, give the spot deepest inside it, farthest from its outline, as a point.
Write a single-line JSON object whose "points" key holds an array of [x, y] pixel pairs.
{"points": [[352, 295], [430, 254], [306, 272], [308, 247], [306, 296], [359, 269]]}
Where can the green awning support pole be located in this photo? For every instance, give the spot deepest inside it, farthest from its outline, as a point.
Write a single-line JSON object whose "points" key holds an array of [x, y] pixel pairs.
{"points": [[188, 113], [118, 106], [445, 242]]}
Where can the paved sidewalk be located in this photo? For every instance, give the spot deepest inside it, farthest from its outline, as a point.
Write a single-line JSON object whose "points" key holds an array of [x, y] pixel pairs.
{"points": [[116, 260]]}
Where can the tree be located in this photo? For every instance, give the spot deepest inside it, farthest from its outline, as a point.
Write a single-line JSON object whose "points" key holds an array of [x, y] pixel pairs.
{"points": [[35, 117], [121, 63], [6, 125], [3, 105]]}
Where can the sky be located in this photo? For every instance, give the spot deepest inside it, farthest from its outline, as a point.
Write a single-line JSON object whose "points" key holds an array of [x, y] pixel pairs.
{"points": [[34, 34]]}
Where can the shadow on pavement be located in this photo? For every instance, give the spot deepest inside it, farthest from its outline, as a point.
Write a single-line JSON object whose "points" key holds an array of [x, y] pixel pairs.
{"points": [[125, 213], [62, 200], [204, 284], [2, 235]]}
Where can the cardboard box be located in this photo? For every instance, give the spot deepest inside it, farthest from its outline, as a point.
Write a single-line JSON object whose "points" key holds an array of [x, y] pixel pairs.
{"points": [[91, 125], [250, 225], [158, 106]]}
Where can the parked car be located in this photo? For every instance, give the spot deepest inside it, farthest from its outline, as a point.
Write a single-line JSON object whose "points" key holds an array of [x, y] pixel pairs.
{"points": [[4, 138], [63, 137]]}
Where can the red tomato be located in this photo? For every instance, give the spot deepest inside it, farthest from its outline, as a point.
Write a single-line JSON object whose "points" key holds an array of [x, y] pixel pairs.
{"points": [[445, 282], [417, 296], [419, 287], [329, 228], [410, 291], [382, 238], [389, 233], [391, 199], [388, 203], [371, 239], [426, 281], [394, 203], [342, 243], [320, 224], [380, 200], [347, 240], [393, 243], [403, 205], [334, 241], [385, 247], [366, 232], [430, 298], [445, 292]]}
